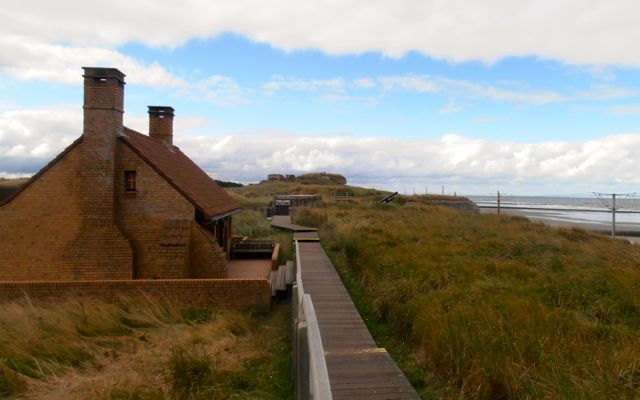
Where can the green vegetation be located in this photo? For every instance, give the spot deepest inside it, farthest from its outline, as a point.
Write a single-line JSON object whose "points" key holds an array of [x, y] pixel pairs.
{"points": [[8, 186], [490, 307], [142, 348]]}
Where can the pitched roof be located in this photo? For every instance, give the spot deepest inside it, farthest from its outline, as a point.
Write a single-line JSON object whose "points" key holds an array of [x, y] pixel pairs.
{"points": [[183, 174]]}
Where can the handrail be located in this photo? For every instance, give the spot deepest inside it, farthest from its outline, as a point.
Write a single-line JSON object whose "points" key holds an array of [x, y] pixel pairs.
{"points": [[274, 257], [311, 374]]}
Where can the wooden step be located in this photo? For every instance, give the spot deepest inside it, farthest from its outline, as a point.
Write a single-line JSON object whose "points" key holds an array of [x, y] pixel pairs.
{"points": [[289, 276], [280, 280], [271, 279]]}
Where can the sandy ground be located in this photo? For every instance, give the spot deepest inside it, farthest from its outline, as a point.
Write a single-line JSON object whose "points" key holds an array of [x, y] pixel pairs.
{"points": [[551, 218]]}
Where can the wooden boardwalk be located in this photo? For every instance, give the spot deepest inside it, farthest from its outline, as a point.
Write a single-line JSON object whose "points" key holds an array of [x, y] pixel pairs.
{"points": [[357, 367], [284, 222]]}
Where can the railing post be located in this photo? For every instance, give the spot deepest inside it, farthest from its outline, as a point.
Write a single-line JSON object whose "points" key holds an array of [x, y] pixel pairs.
{"points": [[303, 370], [294, 335]]}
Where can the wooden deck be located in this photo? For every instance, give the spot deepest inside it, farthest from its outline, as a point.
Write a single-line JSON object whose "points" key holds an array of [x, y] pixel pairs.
{"points": [[248, 269], [284, 222], [357, 367]]}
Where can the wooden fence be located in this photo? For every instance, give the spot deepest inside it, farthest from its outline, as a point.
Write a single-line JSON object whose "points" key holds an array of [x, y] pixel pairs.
{"points": [[311, 378]]}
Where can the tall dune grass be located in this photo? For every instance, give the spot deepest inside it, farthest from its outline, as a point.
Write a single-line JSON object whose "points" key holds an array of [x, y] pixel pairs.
{"points": [[491, 307], [141, 348]]}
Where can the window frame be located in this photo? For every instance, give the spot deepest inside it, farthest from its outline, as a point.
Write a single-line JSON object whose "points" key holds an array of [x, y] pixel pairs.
{"points": [[130, 181]]}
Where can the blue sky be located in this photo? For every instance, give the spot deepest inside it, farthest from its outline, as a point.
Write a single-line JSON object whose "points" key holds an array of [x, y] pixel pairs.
{"points": [[529, 98]]}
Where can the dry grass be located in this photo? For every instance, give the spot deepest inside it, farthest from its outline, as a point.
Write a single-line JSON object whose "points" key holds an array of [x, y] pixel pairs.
{"points": [[142, 349], [490, 307]]}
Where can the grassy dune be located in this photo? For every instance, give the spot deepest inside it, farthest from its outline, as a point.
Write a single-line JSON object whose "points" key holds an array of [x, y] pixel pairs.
{"points": [[142, 349], [491, 307]]}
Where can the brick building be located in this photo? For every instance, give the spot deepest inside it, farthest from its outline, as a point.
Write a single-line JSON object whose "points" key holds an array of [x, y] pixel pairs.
{"points": [[116, 204]]}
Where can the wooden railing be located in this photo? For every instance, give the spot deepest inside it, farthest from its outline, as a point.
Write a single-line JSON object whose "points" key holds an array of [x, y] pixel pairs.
{"points": [[251, 246], [342, 196], [274, 257], [311, 378]]}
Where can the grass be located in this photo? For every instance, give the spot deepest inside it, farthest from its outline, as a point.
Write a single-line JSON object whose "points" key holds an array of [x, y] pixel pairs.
{"points": [[491, 307], [142, 348]]}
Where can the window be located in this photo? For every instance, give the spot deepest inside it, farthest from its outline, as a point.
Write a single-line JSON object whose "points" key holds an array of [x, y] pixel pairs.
{"points": [[130, 181]]}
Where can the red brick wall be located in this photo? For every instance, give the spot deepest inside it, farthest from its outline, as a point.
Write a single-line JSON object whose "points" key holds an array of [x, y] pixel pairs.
{"points": [[239, 293], [142, 217], [38, 225], [43, 232], [207, 258]]}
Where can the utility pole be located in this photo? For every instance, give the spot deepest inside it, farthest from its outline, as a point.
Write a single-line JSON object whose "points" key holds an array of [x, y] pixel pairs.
{"points": [[613, 216], [498, 203], [443, 190], [612, 206]]}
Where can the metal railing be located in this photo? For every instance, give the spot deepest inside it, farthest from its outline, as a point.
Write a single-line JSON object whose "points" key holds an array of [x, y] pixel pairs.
{"points": [[311, 378]]}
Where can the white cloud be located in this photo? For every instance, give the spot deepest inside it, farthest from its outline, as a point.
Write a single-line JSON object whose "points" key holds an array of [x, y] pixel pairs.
{"points": [[627, 109], [218, 89], [29, 59], [580, 32], [414, 83], [450, 108], [30, 138], [363, 83], [515, 92], [279, 82]]}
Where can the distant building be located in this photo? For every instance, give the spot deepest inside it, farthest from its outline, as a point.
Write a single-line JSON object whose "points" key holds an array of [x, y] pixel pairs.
{"points": [[281, 178], [117, 204]]}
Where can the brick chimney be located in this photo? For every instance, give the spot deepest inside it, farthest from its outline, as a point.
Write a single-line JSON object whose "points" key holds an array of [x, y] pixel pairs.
{"points": [[161, 124], [103, 109], [100, 250]]}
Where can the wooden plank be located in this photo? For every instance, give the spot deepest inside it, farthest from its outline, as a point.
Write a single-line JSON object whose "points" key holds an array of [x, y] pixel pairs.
{"points": [[284, 222], [280, 285], [357, 368], [289, 273]]}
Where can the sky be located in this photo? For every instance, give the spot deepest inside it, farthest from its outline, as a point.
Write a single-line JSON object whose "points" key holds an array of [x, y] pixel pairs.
{"points": [[526, 97]]}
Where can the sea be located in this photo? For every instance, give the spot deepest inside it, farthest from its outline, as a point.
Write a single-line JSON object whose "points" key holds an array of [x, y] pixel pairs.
{"points": [[585, 212]]}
